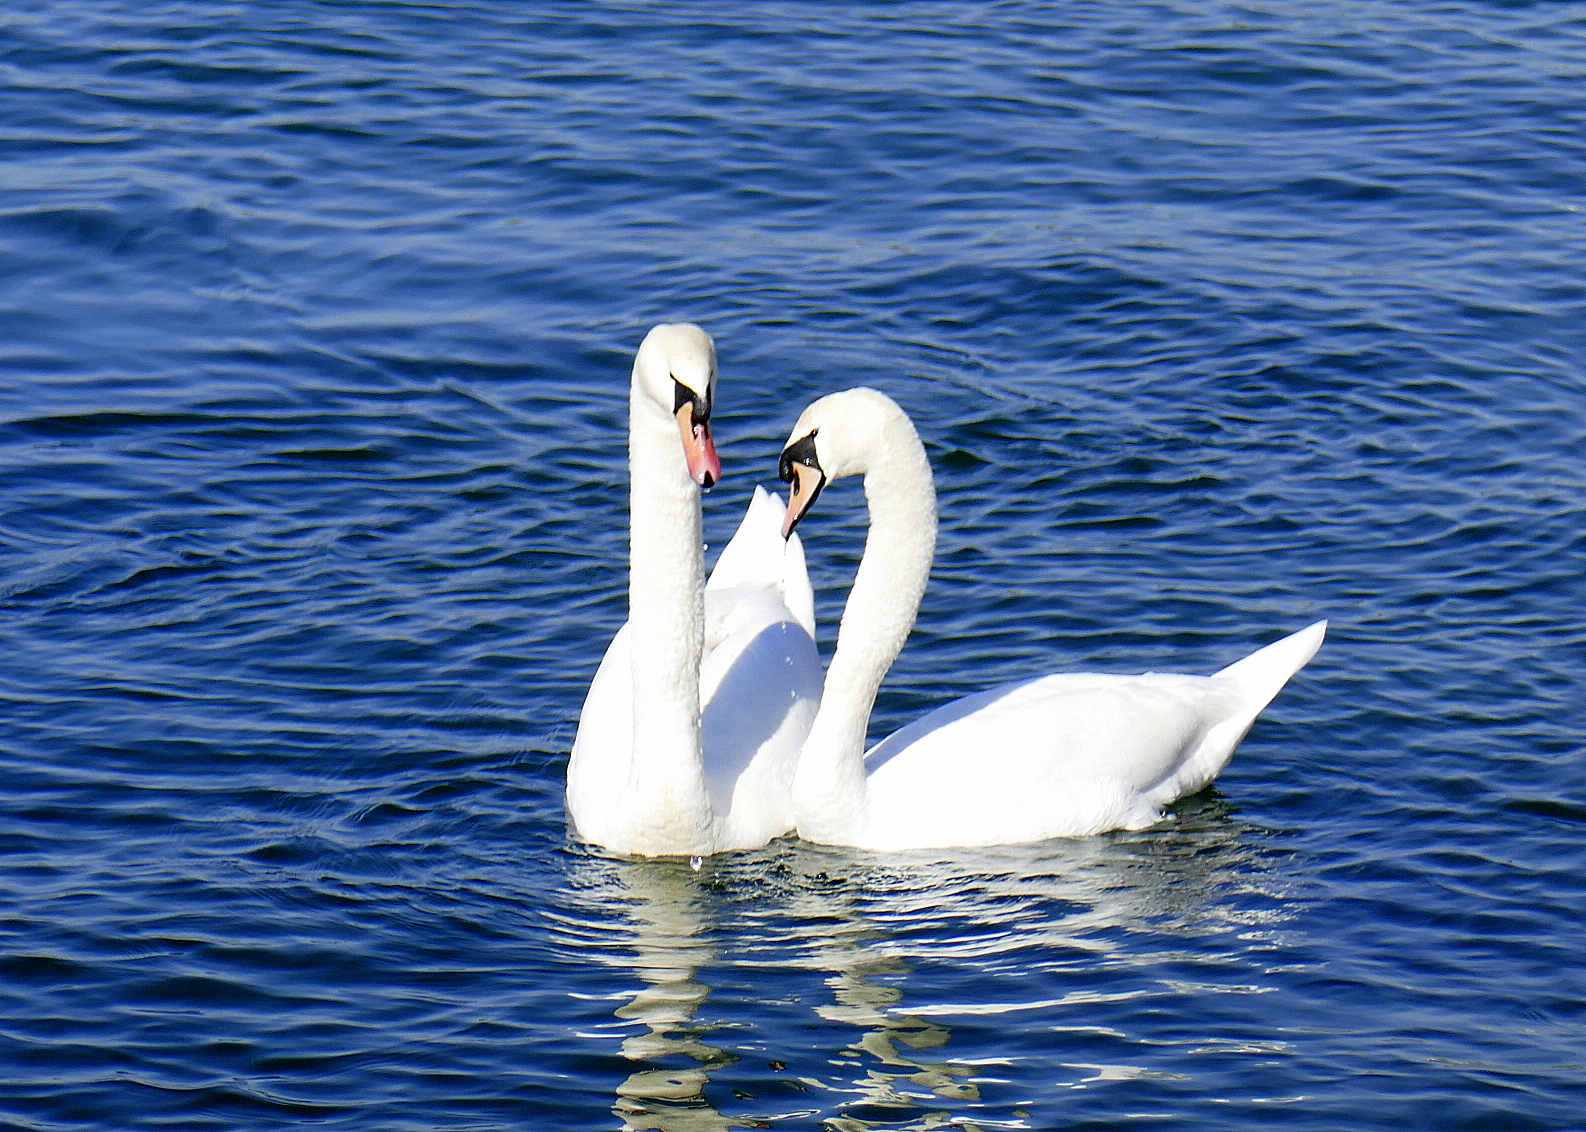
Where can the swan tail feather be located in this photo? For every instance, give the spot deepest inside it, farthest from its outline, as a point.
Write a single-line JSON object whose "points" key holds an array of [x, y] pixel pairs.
{"points": [[1256, 680], [1261, 675]]}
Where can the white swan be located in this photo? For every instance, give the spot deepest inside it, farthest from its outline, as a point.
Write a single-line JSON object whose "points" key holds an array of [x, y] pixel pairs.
{"points": [[1058, 756], [650, 773]]}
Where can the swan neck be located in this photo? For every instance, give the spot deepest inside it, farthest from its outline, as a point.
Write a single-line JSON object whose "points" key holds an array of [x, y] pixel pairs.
{"points": [[665, 610], [829, 784]]}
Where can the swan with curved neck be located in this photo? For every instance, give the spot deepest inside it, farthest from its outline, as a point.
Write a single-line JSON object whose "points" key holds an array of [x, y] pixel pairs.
{"points": [[688, 735], [1066, 755]]}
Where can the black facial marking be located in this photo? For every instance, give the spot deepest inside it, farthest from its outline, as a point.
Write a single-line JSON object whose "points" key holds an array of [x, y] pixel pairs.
{"points": [[683, 395], [799, 452], [802, 453]]}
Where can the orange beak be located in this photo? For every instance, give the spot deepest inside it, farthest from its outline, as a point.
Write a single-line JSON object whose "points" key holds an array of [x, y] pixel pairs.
{"points": [[704, 466], [805, 487]]}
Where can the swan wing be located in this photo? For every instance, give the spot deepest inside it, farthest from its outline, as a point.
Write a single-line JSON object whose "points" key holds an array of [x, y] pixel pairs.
{"points": [[1061, 756], [1069, 754], [597, 770], [760, 681], [759, 556], [761, 688]]}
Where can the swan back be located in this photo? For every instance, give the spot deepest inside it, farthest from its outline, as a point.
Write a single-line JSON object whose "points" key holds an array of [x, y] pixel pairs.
{"points": [[1067, 755]]}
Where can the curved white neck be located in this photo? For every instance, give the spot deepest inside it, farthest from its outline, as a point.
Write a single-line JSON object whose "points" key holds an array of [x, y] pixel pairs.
{"points": [[829, 791], [666, 613]]}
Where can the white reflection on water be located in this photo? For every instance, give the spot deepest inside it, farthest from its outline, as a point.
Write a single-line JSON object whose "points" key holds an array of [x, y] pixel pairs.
{"points": [[902, 1078], [667, 919], [852, 935]]}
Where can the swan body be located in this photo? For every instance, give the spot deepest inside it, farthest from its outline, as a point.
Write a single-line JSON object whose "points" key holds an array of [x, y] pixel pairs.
{"points": [[759, 684], [693, 722], [1065, 755]]}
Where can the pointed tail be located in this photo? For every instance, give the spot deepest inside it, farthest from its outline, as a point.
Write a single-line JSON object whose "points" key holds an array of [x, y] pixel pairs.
{"points": [[1261, 675], [1256, 680]]}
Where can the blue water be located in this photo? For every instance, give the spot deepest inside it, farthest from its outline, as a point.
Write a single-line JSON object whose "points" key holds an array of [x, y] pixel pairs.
{"points": [[315, 323]]}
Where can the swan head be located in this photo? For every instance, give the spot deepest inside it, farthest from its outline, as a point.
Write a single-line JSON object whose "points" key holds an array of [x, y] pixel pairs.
{"points": [[676, 368], [842, 434]]}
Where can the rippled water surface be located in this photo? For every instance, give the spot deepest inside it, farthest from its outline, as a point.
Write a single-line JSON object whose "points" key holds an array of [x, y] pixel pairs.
{"points": [[315, 324]]}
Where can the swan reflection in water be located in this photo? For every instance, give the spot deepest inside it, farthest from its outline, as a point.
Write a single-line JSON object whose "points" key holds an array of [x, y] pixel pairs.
{"points": [[898, 1079], [853, 938], [667, 916]]}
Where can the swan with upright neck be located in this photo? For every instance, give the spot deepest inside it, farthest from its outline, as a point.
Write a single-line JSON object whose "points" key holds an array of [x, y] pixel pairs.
{"points": [[693, 721], [1066, 755]]}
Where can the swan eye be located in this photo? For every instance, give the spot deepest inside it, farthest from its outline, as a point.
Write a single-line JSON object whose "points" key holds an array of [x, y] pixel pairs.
{"points": [[683, 395], [799, 452]]}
